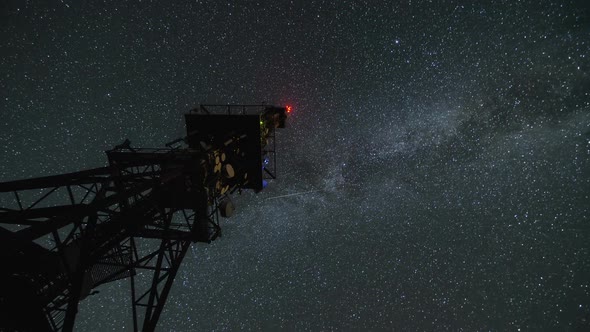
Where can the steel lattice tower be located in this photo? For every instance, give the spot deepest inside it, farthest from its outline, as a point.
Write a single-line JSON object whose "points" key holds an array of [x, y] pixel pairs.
{"points": [[64, 235]]}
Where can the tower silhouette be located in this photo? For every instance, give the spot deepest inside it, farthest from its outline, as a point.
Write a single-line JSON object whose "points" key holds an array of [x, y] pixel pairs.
{"points": [[64, 235]]}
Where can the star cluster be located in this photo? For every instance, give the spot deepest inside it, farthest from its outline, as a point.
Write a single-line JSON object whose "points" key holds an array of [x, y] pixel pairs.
{"points": [[435, 173]]}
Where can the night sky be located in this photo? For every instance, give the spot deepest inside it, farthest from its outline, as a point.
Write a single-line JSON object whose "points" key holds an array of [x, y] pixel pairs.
{"points": [[434, 175]]}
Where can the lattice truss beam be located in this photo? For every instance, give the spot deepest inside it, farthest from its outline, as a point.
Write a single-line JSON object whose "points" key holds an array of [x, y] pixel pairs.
{"points": [[85, 227]]}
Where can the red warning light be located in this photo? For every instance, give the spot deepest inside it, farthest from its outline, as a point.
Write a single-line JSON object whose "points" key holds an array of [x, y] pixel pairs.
{"points": [[289, 108]]}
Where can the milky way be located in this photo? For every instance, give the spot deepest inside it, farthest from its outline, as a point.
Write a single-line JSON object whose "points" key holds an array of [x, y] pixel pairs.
{"points": [[434, 175]]}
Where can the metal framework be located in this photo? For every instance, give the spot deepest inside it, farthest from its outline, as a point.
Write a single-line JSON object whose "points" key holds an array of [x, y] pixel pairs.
{"points": [[64, 235]]}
